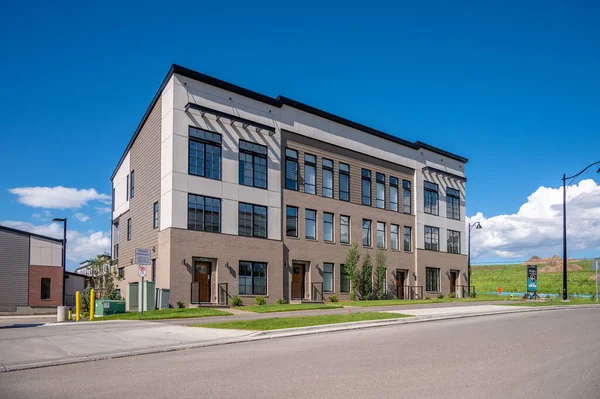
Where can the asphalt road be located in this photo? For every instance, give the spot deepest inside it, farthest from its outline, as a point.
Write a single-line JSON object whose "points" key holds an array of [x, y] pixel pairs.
{"points": [[547, 354]]}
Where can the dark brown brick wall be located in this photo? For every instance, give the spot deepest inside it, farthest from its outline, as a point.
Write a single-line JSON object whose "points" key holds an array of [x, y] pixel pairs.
{"points": [[445, 262], [36, 273]]}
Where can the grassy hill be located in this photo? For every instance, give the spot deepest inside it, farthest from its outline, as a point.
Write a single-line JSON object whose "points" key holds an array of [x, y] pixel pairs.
{"points": [[514, 278]]}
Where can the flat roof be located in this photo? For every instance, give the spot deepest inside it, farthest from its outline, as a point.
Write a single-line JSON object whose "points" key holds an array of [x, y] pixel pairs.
{"points": [[278, 102], [27, 233]]}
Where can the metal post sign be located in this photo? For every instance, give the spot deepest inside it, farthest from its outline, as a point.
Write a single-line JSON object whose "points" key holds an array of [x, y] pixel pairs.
{"points": [[143, 256], [532, 278], [142, 270]]}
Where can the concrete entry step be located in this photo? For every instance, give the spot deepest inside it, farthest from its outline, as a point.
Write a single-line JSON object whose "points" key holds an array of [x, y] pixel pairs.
{"points": [[207, 305]]}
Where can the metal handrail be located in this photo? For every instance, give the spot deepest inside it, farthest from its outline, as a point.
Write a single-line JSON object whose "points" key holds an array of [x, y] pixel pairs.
{"points": [[466, 291], [409, 292], [223, 294], [316, 293]]}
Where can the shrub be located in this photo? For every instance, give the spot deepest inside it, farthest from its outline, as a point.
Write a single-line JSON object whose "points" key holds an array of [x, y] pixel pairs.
{"points": [[473, 294], [260, 300], [333, 298], [427, 298], [281, 301], [441, 296], [236, 301], [452, 295], [85, 315], [180, 305]]}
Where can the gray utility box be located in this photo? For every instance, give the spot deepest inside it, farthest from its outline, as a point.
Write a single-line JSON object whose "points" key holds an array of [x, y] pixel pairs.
{"points": [[134, 296], [162, 298]]}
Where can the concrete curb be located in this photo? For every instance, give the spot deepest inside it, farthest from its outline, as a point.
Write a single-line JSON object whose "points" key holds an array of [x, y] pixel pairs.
{"points": [[276, 334]]}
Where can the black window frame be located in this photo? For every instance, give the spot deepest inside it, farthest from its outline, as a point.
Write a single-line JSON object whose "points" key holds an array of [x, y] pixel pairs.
{"points": [[204, 139], [397, 234], [407, 232], [132, 184], [253, 222], [254, 288], [46, 289], [121, 272], [453, 242], [288, 218], [433, 234], [370, 233], [431, 198], [328, 214], [329, 169], [365, 178], [406, 188], [394, 188], [127, 190], [432, 279], [344, 279], [291, 160], [258, 153], [452, 203], [155, 215], [331, 275], [306, 219], [344, 175], [313, 165], [204, 224], [129, 229], [379, 182], [342, 225], [384, 246]]}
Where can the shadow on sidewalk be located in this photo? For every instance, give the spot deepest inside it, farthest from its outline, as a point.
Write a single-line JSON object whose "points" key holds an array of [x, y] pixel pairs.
{"points": [[22, 326]]}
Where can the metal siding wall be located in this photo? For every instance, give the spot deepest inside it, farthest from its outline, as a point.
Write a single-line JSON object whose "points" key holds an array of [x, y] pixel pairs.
{"points": [[14, 270]]}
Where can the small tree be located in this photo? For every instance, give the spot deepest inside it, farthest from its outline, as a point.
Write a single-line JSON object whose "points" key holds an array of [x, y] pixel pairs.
{"points": [[353, 272], [104, 277], [367, 277], [381, 265]]}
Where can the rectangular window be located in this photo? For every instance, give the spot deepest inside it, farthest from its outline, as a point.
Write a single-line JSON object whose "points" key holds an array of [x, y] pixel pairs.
{"points": [[344, 280], [366, 232], [252, 220], [291, 169], [154, 270], [407, 238], [204, 153], [310, 224], [394, 233], [431, 197], [328, 277], [291, 221], [432, 238], [45, 291], [129, 229], [366, 187], [380, 190], [127, 190], [132, 185], [452, 203], [344, 182], [393, 194], [155, 215], [121, 272], [406, 197], [310, 179], [327, 165], [345, 229], [253, 164], [327, 226], [204, 213], [380, 235], [453, 242], [432, 279], [253, 278]]}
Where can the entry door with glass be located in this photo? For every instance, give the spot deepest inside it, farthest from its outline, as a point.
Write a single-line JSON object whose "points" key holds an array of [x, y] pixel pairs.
{"points": [[453, 282], [297, 281], [400, 278], [202, 281]]}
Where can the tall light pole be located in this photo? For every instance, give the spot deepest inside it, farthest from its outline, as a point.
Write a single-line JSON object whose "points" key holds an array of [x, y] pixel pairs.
{"points": [[564, 179], [64, 254], [477, 225]]}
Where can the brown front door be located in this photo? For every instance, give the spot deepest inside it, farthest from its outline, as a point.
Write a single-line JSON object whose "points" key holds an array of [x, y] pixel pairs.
{"points": [[202, 277], [453, 278], [297, 281], [400, 276]]}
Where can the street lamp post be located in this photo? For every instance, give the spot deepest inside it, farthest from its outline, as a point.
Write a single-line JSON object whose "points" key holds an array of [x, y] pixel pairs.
{"points": [[64, 254], [564, 179], [477, 225]]}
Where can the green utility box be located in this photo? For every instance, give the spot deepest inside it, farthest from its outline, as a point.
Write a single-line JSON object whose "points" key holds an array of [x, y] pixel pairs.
{"points": [[105, 307]]}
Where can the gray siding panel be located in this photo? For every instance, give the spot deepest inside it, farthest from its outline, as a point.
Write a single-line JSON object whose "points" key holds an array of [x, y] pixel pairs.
{"points": [[14, 270]]}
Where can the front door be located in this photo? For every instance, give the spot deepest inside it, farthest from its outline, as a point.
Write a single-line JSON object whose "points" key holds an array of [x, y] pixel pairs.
{"points": [[297, 281], [453, 278], [202, 277], [400, 276]]}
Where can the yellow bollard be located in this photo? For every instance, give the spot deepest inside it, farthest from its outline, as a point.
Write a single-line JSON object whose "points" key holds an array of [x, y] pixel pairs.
{"points": [[92, 304], [77, 308]]}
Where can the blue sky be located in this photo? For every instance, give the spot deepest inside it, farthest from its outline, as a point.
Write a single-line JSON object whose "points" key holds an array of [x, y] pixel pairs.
{"points": [[513, 87]]}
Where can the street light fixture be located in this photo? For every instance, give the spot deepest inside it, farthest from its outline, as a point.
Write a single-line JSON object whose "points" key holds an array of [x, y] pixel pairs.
{"points": [[64, 254], [477, 226], [564, 179]]}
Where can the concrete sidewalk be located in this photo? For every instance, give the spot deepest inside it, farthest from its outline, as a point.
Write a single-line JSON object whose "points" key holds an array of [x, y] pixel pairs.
{"points": [[56, 344]]}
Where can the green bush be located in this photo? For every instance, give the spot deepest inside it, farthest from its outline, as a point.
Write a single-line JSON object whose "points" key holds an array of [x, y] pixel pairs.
{"points": [[333, 298], [281, 301], [260, 300], [452, 295], [473, 294], [180, 305], [441, 296], [236, 301], [85, 315]]}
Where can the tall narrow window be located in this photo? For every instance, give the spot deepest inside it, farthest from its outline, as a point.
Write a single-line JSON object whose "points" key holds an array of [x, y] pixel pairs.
{"points": [[291, 169], [253, 278], [432, 279], [327, 178], [327, 226], [129, 229], [366, 232], [344, 280], [310, 179], [127, 190], [252, 220], [204, 213], [328, 277], [431, 197], [310, 224], [452, 203], [115, 253], [45, 289], [253, 164], [154, 270], [345, 229], [406, 197], [344, 182], [393, 194], [132, 185], [204, 153], [380, 190], [366, 186], [380, 235], [394, 233], [407, 238], [291, 221], [453, 242], [155, 215], [432, 238]]}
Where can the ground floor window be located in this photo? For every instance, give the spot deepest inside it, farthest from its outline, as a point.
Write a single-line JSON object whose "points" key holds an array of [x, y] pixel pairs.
{"points": [[328, 277], [344, 280], [432, 279], [45, 292], [253, 278]]}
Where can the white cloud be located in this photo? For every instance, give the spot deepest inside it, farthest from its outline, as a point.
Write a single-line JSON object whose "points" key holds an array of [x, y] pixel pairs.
{"points": [[45, 216], [81, 217], [57, 197], [80, 246], [103, 209], [536, 229]]}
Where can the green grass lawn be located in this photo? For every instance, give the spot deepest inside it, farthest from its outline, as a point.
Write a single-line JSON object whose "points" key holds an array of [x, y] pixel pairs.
{"points": [[557, 302], [165, 314], [288, 308], [513, 278], [302, 321], [394, 302]]}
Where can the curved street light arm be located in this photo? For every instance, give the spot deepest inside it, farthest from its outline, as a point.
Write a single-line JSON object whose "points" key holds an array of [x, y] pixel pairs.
{"points": [[589, 166]]}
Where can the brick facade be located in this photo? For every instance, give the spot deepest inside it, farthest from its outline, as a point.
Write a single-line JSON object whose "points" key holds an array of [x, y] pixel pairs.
{"points": [[36, 273]]}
